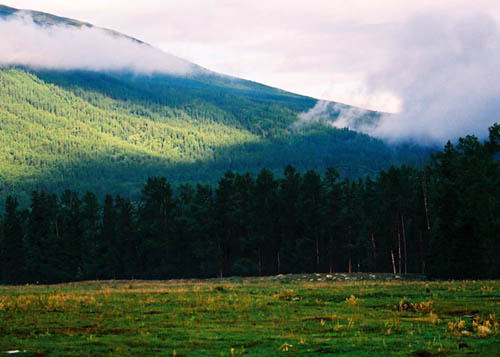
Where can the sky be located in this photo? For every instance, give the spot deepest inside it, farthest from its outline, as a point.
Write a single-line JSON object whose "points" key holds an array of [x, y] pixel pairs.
{"points": [[434, 63]]}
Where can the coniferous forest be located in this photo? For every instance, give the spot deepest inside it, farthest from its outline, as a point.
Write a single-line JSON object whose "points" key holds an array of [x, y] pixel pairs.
{"points": [[442, 221], [109, 132]]}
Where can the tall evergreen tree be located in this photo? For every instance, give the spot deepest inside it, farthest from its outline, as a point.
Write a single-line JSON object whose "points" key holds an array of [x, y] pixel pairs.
{"points": [[13, 249], [243, 243], [71, 235], [204, 225], [126, 245], [333, 211], [156, 224], [108, 242], [267, 240], [313, 215], [92, 225], [184, 242], [291, 252], [227, 224], [43, 239]]}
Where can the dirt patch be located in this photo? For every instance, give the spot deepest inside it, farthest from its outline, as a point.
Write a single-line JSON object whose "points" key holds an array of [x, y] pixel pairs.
{"points": [[319, 318], [461, 312]]}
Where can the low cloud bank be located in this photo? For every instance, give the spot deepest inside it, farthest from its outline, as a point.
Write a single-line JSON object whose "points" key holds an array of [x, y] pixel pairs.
{"points": [[340, 116], [444, 69], [63, 47]]}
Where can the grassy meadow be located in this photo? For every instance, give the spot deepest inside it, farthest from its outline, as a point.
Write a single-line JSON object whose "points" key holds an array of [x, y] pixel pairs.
{"points": [[339, 314]]}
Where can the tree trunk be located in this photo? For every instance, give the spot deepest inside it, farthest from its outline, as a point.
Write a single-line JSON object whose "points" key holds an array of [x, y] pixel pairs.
{"points": [[350, 252], [260, 262], [317, 250], [278, 261], [57, 229], [399, 250], [139, 258], [404, 243], [221, 257], [226, 261], [424, 193], [374, 252], [330, 255], [422, 256], [393, 262]]}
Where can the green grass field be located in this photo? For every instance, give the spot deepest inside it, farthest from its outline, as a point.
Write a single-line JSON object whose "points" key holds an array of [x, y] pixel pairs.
{"points": [[348, 315]]}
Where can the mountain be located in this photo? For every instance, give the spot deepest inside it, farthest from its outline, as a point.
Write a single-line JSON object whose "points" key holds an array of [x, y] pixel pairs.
{"points": [[44, 19], [108, 130]]}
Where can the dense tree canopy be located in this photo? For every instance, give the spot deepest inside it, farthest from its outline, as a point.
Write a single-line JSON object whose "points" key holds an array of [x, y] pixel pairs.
{"points": [[109, 132]]}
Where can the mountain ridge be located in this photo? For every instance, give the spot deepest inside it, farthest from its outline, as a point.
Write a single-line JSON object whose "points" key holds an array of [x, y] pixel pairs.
{"points": [[107, 131], [47, 19], [199, 72]]}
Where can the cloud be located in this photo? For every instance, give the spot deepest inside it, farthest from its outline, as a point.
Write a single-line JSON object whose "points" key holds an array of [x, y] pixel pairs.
{"points": [[443, 69], [339, 115], [63, 47], [446, 71], [317, 114]]}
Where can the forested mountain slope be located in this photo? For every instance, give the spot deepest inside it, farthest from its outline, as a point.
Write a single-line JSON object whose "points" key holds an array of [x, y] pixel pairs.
{"points": [[108, 131]]}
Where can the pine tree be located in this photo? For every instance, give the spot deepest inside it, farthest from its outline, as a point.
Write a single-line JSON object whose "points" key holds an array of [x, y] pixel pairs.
{"points": [[43, 239], [267, 241], [13, 250], [127, 253], [71, 235], [205, 244], [313, 215], [227, 225], [156, 225], [91, 222], [290, 257], [333, 211], [108, 242]]}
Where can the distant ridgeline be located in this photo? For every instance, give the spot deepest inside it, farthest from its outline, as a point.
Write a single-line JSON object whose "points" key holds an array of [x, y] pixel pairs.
{"points": [[109, 132], [442, 221]]}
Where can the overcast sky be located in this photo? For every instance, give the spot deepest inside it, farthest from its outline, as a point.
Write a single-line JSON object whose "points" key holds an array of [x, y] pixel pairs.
{"points": [[327, 49]]}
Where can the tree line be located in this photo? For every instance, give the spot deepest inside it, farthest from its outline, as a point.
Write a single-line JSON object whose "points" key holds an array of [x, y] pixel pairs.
{"points": [[442, 220]]}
